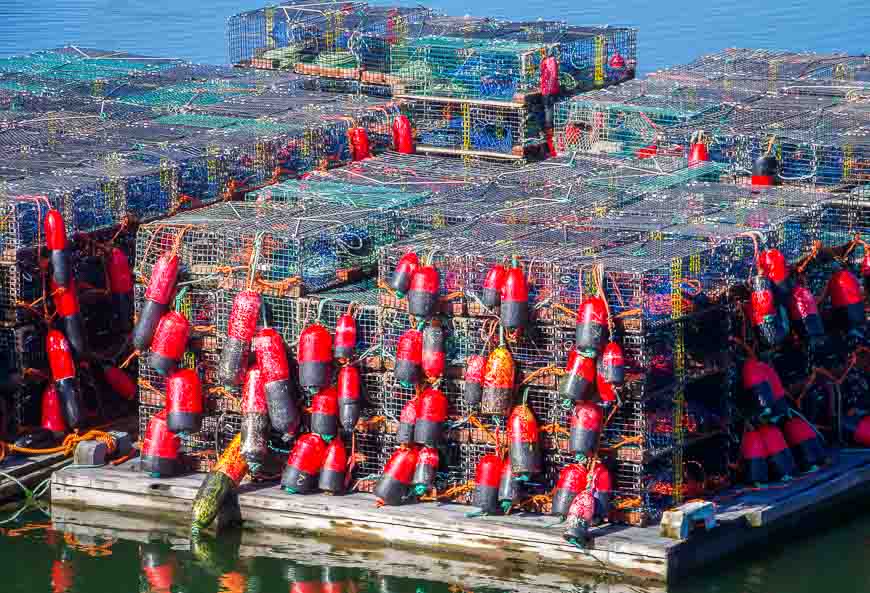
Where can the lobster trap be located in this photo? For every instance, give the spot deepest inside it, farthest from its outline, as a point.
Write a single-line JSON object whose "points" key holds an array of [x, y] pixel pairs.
{"points": [[22, 351]]}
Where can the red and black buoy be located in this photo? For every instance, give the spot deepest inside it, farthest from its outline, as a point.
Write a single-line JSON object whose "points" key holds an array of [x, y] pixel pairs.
{"points": [[120, 382], [255, 419], [865, 272], [433, 355], [345, 337], [161, 285], [423, 292], [805, 444], [698, 154], [592, 330], [549, 95], [431, 415], [405, 270], [579, 376], [324, 413], [475, 366], [772, 264], [580, 517], [425, 470], [159, 455], [764, 170], [52, 413], [121, 288], [524, 438], [858, 429], [765, 313], [395, 482], [159, 566], [403, 135], [63, 373], [169, 343], [572, 481], [407, 422], [334, 470], [804, 313], [486, 481], [754, 455], [780, 403], [349, 387], [359, 141], [509, 487], [490, 296], [602, 488], [184, 402], [271, 353], [611, 365], [587, 420], [303, 465], [781, 464], [757, 378], [66, 304], [409, 358], [847, 302], [241, 328], [315, 357], [498, 382], [515, 299], [56, 242]]}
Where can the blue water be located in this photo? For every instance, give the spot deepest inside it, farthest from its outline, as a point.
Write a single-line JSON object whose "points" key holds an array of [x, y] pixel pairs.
{"points": [[670, 32]]}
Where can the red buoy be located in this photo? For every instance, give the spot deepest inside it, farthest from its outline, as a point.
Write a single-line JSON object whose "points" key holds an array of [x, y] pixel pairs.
{"points": [[508, 487], [184, 401], [764, 312], [617, 62], [120, 382], [805, 444], [423, 292], [433, 355], [490, 296], [515, 299], [52, 412], [315, 357], [780, 461], [550, 76], [303, 465], [847, 302], [698, 155], [475, 366], [349, 396], [602, 487], [772, 264], [398, 474], [606, 391], [409, 358], [579, 376], [431, 415], [498, 382], [580, 517], [592, 330], [804, 313], [486, 480], [271, 353], [764, 170], [121, 288], [756, 378], [359, 139], [255, 419], [324, 413], [611, 365], [332, 474], [425, 470], [405, 270], [169, 343], [241, 328], [403, 135], [586, 423], [865, 272], [158, 566], [780, 403], [66, 304], [161, 285], [159, 455], [858, 428], [572, 481], [63, 373], [407, 422], [345, 337], [55, 241], [525, 441], [754, 456]]}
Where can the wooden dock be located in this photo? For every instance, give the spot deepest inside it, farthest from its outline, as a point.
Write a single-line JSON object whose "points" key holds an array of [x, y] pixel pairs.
{"points": [[524, 542]]}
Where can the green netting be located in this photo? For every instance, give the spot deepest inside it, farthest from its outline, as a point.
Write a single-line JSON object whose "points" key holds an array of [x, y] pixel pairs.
{"points": [[345, 194], [196, 120], [56, 66], [644, 182], [189, 93]]}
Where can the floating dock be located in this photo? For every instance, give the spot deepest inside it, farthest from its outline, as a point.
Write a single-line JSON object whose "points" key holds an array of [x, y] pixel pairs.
{"points": [[523, 541]]}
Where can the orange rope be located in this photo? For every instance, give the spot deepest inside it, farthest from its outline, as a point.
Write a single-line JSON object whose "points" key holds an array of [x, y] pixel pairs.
{"points": [[129, 359], [628, 503], [554, 428], [367, 425], [451, 493], [279, 286], [805, 261], [475, 422], [823, 372], [67, 447], [93, 550], [549, 370]]}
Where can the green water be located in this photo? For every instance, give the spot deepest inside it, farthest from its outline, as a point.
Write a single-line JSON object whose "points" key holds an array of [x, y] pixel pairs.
{"points": [[85, 559]]}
